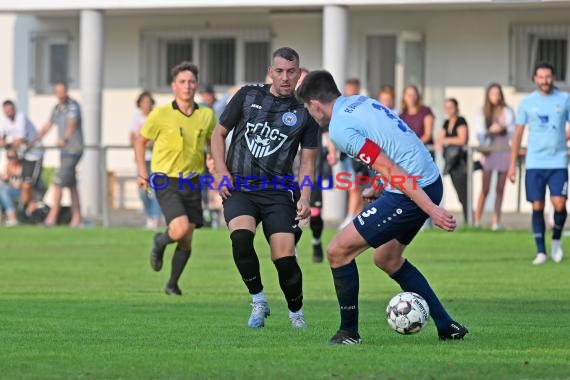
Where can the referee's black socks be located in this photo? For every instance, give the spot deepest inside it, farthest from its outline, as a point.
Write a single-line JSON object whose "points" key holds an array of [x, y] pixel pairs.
{"points": [[291, 281], [164, 239], [246, 259], [179, 260]]}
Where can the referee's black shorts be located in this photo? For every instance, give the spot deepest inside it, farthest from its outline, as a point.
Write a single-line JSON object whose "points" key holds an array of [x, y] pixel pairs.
{"points": [[276, 209], [176, 200]]}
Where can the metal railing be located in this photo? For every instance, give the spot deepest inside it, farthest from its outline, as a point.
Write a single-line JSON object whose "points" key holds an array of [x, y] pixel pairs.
{"points": [[103, 150]]}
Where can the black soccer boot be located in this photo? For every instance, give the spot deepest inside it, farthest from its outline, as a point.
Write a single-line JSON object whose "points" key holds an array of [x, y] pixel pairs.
{"points": [[156, 254], [345, 337], [453, 332]]}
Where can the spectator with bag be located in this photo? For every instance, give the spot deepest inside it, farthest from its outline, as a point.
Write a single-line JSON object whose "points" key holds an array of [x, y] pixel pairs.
{"points": [[495, 129], [453, 139]]}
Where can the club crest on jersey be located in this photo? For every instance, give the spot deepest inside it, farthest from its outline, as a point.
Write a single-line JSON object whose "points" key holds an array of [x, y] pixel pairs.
{"points": [[289, 119], [262, 140]]}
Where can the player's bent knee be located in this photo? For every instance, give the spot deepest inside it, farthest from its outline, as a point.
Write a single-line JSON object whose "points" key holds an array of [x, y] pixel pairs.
{"points": [[242, 242]]}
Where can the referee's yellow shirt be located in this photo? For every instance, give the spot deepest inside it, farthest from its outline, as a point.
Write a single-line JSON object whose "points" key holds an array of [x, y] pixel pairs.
{"points": [[179, 140]]}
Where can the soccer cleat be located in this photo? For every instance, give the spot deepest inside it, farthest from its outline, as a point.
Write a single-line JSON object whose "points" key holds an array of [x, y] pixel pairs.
{"points": [[539, 259], [173, 291], [298, 321], [557, 254], [156, 254], [345, 337], [317, 253], [453, 332], [259, 311]]}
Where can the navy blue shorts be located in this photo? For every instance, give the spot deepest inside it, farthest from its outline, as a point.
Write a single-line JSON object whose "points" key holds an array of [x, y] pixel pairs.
{"points": [[395, 216], [536, 180]]}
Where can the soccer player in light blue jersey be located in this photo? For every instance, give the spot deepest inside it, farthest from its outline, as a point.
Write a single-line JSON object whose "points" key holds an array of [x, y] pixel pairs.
{"points": [[364, 129], [546, 112]]}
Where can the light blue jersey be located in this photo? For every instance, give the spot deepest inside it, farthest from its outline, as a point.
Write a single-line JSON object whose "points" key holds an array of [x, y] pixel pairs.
{"points": [[546, 117], [357, 118]]}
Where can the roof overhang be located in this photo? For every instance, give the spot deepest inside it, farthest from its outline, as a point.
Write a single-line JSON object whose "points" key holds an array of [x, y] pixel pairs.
{"points": [[141, 5]]}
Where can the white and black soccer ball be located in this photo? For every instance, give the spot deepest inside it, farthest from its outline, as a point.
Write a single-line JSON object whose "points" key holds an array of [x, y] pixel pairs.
{"points": [[407, 313]]}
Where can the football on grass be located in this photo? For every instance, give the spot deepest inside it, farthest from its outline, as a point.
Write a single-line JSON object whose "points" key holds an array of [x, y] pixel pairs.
{"points": [[407, 313]]}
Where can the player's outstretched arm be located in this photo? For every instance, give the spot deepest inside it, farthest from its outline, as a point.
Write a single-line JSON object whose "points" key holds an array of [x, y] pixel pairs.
{"points": [[515, 147], [408, 185]]}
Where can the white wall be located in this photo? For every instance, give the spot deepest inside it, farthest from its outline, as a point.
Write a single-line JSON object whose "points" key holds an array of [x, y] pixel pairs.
{"points": [[465, 50]]}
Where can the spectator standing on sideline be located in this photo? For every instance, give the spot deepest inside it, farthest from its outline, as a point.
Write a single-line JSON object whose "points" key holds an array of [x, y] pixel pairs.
{"points": [[496, 126], [546, 111], [386, 97], [453, 138], [67, 116], [145, 104]]}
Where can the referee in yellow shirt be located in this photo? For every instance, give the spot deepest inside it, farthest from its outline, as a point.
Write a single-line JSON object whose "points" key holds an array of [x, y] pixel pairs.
{"points": [[179, 130]]}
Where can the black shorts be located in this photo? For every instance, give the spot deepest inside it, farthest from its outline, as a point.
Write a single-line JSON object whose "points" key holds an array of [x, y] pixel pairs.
{"points": [[276, 209], [65, 176], [180, 199], [31, 171]]}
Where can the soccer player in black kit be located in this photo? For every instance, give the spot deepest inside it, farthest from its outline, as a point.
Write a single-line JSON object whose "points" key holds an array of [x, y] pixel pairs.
{"points": [[268, 125]]}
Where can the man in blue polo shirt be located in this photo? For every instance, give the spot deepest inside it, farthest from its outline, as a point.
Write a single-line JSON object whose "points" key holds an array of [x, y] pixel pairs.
{"points": [[546, 112]]}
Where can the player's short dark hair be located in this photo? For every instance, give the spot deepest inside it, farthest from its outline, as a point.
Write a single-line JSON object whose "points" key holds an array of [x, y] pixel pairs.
{"points": [[543, 65], [184, 66], [353, 81], [142, 95], [8, 103], [318, 85], [286, 53]]}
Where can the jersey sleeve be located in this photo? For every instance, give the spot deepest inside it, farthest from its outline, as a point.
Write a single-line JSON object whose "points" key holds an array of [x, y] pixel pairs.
{"points": [[521, 114], [347, 138], [310, 137], [20, 126], [234, 110], [150, 127], [73, 111]]}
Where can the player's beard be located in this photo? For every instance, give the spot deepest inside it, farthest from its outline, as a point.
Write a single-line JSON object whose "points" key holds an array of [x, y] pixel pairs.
{"points": [[546, 87]]}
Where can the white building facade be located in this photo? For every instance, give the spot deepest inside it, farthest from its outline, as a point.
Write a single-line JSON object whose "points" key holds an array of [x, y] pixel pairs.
{"points": [[108, 51]]}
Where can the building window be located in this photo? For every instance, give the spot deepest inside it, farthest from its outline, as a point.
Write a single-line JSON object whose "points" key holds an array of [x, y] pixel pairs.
{"points": [[257, 60], [533, 44], [175, 51], [53, 60], [224, 57], [218, 61]]}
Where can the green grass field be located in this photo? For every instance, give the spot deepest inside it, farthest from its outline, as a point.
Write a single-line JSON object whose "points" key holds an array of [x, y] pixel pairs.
{"points": [[84, 304]]}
